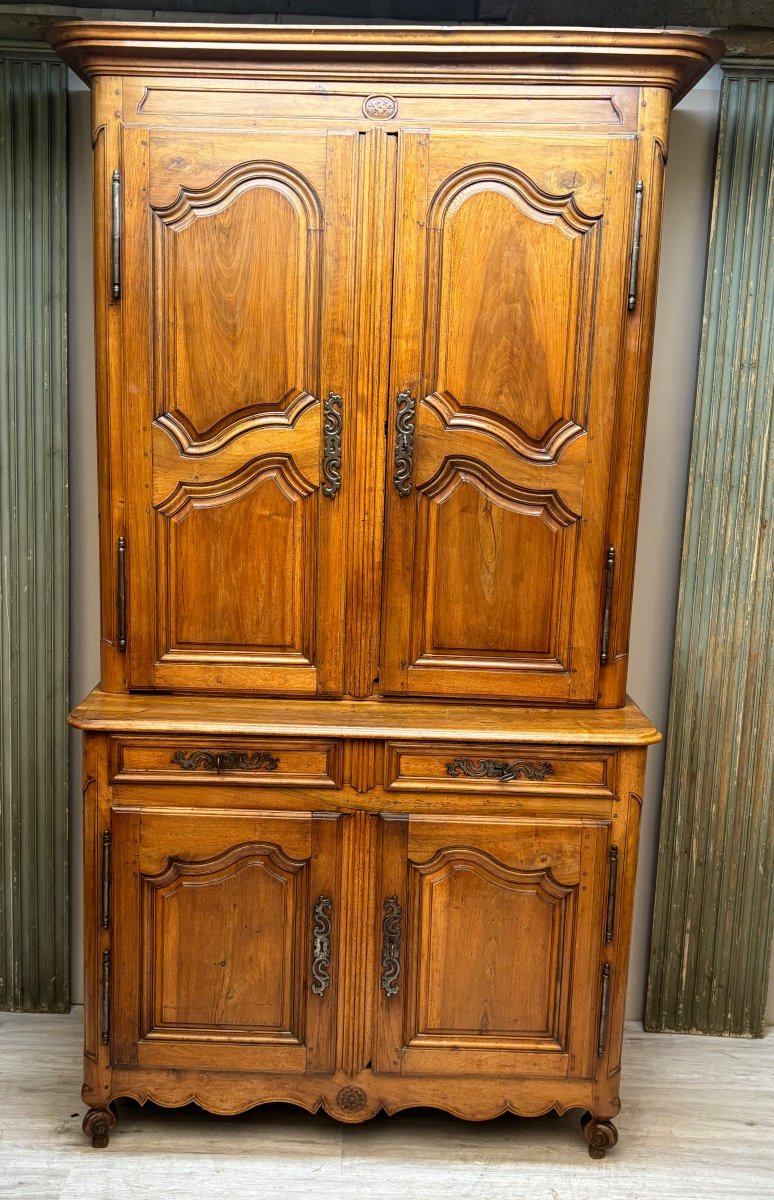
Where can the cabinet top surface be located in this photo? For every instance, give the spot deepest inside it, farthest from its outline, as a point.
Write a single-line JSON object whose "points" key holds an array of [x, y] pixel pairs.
{"points": [[102, 712], [674, 59]]}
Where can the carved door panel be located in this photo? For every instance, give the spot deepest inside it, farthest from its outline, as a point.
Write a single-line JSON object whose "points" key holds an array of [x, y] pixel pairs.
{"points": [[236, 365], [509, 302], [223, 952], [490, 946]]}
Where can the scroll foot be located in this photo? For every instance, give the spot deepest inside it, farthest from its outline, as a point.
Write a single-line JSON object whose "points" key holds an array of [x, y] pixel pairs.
{"points": [[97, 1125], [600, 1135]]}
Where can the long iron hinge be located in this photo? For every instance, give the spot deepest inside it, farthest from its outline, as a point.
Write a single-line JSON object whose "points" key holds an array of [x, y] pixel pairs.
{"points": [[116, 235], [106, 997], [611, 890], [106, 879], [602, 1040], [635, 260], [121, 593], [609, 575]]}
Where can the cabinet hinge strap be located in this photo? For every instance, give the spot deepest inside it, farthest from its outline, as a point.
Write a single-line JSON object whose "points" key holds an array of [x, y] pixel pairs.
{"points": [[611, 887], [635, 262], [121, 593], [106, 997], [116, 235], [105, 879], [391, 946], [602, 1040], [609, 576]]}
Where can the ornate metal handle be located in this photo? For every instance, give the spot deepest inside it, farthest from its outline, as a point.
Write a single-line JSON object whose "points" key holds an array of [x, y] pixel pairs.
{"points": [[331, 463], [321, 946], [230, 760], [404, 443], [391, 946], [497, 768]]}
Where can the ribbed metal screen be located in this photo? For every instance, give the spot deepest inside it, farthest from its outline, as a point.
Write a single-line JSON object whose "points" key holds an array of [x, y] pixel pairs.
{"points": [[714, 912], [34, 936]]}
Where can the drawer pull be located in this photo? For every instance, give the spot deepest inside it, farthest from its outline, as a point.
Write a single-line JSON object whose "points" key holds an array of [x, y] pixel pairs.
{"points": [[321, 946], [391, 946], [231, 760], [498, 768]]}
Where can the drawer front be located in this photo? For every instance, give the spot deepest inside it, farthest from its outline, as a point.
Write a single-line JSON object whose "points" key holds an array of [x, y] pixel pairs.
{"points": [[276, 762], [486, 767]]}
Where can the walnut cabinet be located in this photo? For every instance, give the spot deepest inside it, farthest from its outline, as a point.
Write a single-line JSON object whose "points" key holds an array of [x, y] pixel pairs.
{"points": [[374, 311]]}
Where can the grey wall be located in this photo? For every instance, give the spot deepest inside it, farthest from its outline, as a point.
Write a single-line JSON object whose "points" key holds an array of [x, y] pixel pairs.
{"points": [[686, 215]]}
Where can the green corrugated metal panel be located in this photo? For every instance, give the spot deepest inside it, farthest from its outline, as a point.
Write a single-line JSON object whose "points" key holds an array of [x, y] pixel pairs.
{"points": [[714, 912], [34, 967]]}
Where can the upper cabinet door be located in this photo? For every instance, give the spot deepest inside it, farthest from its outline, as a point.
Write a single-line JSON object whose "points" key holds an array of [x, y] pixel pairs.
{"points": [[508, 310], [237, 361]]}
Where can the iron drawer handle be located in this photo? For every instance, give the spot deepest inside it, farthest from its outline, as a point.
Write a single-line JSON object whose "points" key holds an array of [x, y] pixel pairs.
{"points": [[231, 760], [497, 768]]}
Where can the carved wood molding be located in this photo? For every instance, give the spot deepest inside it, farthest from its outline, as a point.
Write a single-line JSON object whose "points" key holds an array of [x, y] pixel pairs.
{"points": [[214, 197], [446, 861], [190, 441], [280, 467], [457, 470], [547, 449], [219, 865], [516, 186]]}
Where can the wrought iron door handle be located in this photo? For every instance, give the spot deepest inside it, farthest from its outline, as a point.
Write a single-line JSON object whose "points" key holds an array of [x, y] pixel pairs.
{"points": [[404, 443], [331, 464], [391, 946], [321, 946]]}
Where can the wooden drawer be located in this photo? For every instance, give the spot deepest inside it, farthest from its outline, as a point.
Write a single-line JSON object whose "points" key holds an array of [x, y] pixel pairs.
{"points": [[275, 762], [476, 767]]}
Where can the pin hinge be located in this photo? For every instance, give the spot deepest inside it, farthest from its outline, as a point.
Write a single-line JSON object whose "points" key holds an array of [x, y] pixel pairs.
{"points": [[116, 234], [635, 262], [609, 575], [105, 879]]}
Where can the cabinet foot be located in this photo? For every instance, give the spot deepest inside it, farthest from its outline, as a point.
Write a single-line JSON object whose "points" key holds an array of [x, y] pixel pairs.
{"points": [[600, 1135], [97, 1125]]}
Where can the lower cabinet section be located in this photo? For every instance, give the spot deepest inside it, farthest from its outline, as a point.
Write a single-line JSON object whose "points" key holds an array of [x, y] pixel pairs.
{"points": [[354, 949]]}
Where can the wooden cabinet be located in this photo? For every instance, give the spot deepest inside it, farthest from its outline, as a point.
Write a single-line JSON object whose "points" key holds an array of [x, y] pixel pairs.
{"points": [[374, 312]]}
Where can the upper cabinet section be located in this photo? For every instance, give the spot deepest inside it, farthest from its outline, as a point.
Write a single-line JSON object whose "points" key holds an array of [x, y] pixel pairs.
{"points": [[374, 318]]}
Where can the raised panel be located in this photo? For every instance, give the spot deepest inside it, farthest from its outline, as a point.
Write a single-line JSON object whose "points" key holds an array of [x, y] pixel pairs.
{"points": [[212, 954], [223, 946], [510, 283], [238, 295], [263, 511], [493, 952], [485, 541]]}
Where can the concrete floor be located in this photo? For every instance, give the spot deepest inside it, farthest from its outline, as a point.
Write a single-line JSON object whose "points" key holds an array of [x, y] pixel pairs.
{"points": [[697, 1123]]}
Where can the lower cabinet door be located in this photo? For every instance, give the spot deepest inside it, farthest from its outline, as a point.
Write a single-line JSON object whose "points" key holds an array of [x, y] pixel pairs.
{"points": [[490, 936], [223, 939]]}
